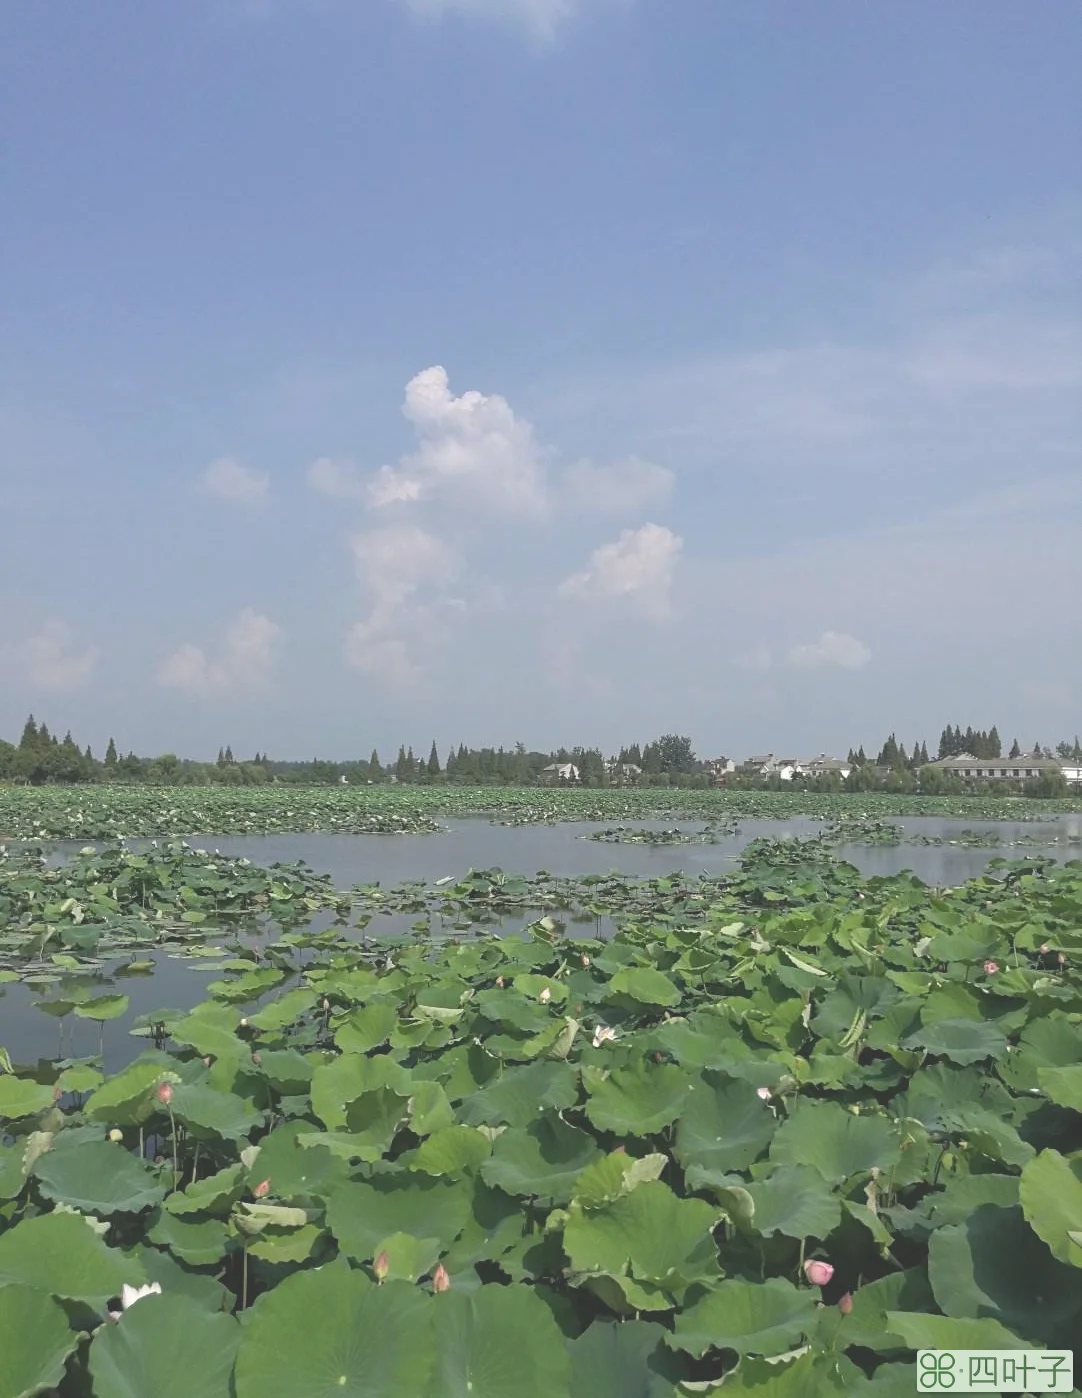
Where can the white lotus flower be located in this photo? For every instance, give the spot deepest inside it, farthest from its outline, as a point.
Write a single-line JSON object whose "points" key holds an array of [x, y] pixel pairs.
{"points": [[130, 1294], [764, 1093], [545, 996], [603, 1035]]}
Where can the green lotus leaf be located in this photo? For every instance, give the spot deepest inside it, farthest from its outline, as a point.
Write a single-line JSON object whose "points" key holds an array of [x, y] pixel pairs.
{"points": [[331, 1333], [365, 1029], [337, 1085], [644, 984], [429, 1109], [35, 1341], [638, 1100], [284, 1010], [703, 1041], [794, 1201], [214, 1194], [1062, 1085], [168, 1346], [990, 1134], [614, 1176], [200, 1244], [652, 1231], [764, 1318], [406, 1257], [210, 1036], [994, 1264], [497, 1341], [853, 995], [294, 1245], [541, 1160], [12, 1178], [103, 1007], [802, 1375], [294, 1171], [866, 1323], [80, 1077], [128, 1099], [968, 1192], [361, 1213], [1051, 1197], [960, 1040], [176, 1279], [724, 1125], [208, 1114], [98, 1177], [520, 1093], [623, 1361], [19, 1097], [454, 1150], [950, 1332], [286, 1070], [834, 1141], [61, 1254]]}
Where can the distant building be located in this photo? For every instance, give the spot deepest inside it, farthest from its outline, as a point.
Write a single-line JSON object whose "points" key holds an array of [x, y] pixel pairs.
{"points": [[1073, 772], [623, 773], [764, 763], [823, 766], [1024, 767], [559, 772], [719, 768]]}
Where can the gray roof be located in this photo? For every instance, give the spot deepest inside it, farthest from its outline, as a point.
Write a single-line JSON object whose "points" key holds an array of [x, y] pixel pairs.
{"points": [[966, 762]]}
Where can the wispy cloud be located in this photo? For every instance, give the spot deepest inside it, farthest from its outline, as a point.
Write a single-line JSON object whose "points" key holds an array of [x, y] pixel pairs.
{"points": [[832, 648], [541, 18], [244, 661], [340, 479], [55, 662], [638, 567], [230, 480], [624, 487]]}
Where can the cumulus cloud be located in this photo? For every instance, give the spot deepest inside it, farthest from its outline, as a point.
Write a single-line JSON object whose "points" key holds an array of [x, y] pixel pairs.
{"points": [[472, 446], [539, 17], [832, 648], [54, 662], [620, 488], [339, 479], [244, 661], [229, 480], [398, 566], [638, 566]]}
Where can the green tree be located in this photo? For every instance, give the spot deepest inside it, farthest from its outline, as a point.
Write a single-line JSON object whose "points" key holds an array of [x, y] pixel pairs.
{"points": [[433, 761], [1015, 751], [110, 754]]}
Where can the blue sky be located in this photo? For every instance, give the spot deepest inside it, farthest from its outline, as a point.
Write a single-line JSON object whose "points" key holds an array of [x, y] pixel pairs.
{"points": [[554, 370]]}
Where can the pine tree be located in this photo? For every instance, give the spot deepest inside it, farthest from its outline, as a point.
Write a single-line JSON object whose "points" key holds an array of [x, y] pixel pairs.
{"points": [[29, 739], [433, 761], [862, 756], [374, 764], [401, 768], [110, 754], [995, 747], [1015, 751], [924, 754], [229, 758], [221, 757]]}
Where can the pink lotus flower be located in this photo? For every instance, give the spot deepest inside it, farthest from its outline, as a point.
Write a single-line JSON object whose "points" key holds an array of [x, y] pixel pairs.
{"points": [[991, 967], [845, 1305], [165, 1093], [440, 1280], [763, 1093], [262, 1189], [818, 1273], [381, 1266]]}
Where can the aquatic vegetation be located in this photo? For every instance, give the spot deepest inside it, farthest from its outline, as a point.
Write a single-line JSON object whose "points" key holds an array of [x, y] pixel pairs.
{"points": [[783, 1127], [121, 812]]}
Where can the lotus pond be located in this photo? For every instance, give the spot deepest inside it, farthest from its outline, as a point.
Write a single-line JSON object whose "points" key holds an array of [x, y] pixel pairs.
{"points": [[781, 1128]]}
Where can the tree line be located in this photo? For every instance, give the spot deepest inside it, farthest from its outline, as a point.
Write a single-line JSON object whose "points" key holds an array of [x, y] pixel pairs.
{"points": [[670, 760]]}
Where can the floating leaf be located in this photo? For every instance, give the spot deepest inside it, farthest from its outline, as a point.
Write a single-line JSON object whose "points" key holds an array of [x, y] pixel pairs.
{"points": [[60, 1254], [766, 1318], [35, 1341], [97, 1177], [168, 1346]]}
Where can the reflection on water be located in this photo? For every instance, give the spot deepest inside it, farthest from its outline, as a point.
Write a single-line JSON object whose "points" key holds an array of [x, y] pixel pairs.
{"points": [[561, 849]]}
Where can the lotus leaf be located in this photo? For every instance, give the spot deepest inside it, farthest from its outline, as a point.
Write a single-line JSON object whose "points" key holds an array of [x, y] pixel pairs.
{"points": [[541, 1160], [623, 1361], [60, 1253], [361, 1213], [1051, 1198], [724, 1125], [660, 1237], [35, 1341], [98, 1177], [168, 1346], [835, 1142], [638, 1100], [497, 1341], [766, 1318]]}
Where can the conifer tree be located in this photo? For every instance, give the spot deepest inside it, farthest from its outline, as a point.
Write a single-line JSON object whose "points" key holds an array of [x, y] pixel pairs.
{"points": [[1015, 751], [374, 763], [995, 747], [433, 761], [110, 754], [29, 739]]}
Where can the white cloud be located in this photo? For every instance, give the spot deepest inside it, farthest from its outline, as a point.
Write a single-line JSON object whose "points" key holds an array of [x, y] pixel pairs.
{"points": [[339, 479], [620, 488], [638, 566], [232, 481], [397, 565], [472, 446], [542, 18], [832, 648], [52, 660], [245, 660]]}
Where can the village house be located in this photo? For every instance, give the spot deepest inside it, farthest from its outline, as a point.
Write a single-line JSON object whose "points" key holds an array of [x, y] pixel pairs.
{"points": [[623, 773], [823, 766], [559, 772], [719, 768], [1024, 767]]}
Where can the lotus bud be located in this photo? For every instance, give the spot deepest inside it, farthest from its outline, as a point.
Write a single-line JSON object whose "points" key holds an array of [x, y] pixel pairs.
{"points": [[1061, 959], [499, 981], [440, 1280], [165, 1093], [257, 1059], [763, 1093], [1044, 948], [381, 1266], [244, 1024], [57, 1094], [545, 996], [818, 1273], [116, 1136], [326, 1004], [207, 1061], [262, 1189], [585, 960], [991, 967], [845, 1305]]}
